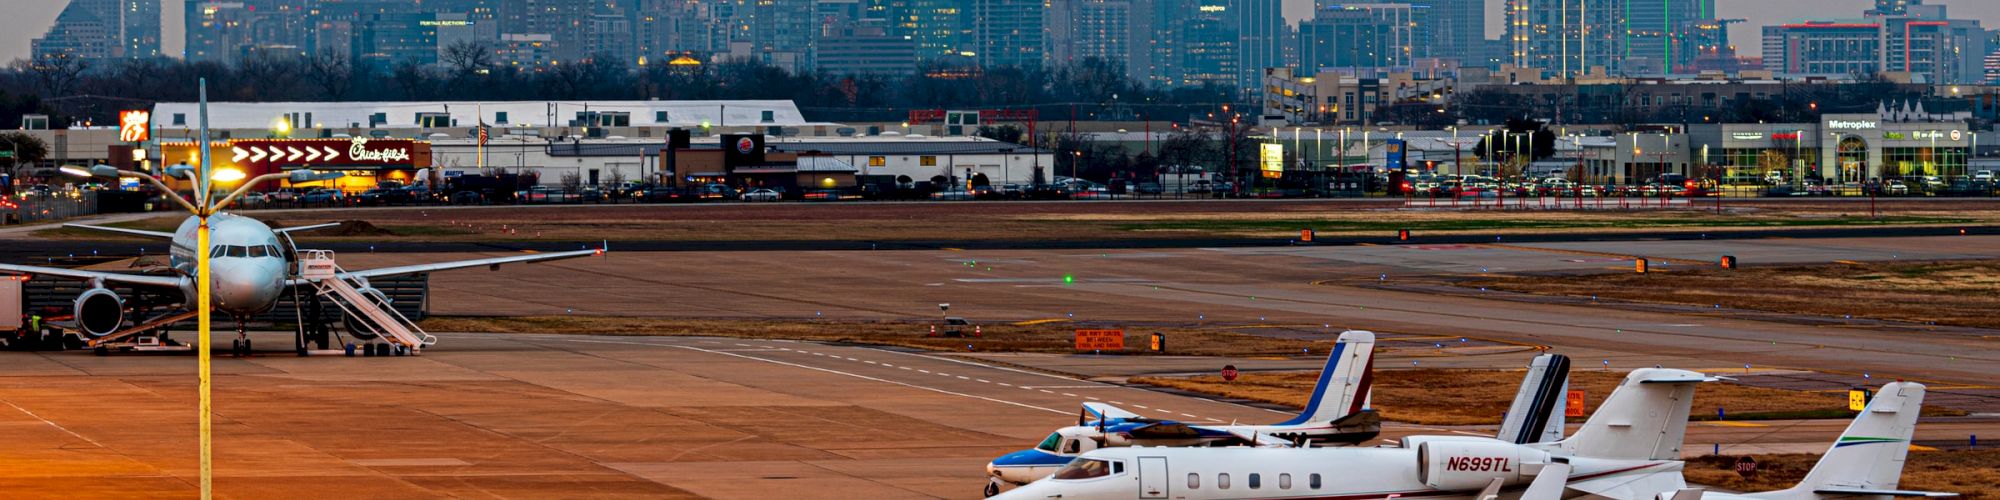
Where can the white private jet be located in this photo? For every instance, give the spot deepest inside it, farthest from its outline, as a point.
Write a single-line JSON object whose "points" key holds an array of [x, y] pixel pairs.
{"points": [[251, 266], [1628, 450], [1867, 460], [1337, 413]]}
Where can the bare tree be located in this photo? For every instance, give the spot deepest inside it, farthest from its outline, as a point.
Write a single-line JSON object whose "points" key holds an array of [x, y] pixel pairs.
{"points": [[571, 182], [57, 75], [467, 57], [331, 72]]}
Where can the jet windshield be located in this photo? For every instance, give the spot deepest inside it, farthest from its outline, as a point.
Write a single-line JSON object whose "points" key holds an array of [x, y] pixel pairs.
{"points": [[1084, 468], [1049, 445]]}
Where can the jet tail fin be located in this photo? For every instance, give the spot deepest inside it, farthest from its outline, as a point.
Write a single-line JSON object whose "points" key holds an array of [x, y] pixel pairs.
{"points": [[1536, 415], [1868, 458], [1344, 383], [1644, 419]]}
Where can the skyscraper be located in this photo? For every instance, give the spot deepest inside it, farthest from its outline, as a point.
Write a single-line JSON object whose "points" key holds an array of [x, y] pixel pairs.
{"points": [[1009, 32], [1452, 29], [1206, 52], [1111, 30], [1565, 37], [103, 29], [942, 29], [1923, 41], [1361, 36], [1260, 31], [1655, 30]]}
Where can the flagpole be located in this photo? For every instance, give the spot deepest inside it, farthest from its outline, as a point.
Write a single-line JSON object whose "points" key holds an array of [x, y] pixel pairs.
{"points": [[481, 153]]}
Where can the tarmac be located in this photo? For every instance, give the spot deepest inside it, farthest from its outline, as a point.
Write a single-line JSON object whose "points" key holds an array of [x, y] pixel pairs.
{"points": [[580, 416], [553, 416]]}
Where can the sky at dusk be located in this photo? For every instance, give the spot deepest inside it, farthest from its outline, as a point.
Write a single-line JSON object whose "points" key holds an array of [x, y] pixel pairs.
{"points": [[28, 19]]}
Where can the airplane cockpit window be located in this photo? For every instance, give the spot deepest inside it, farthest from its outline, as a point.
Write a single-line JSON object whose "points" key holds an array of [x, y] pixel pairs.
{"points": [[258, 251], [217, 251], [239, 251], [1049, 445], [1084, 468], [1070, 446]]}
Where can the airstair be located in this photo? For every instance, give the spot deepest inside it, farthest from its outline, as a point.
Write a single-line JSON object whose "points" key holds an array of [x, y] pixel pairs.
{"points": [[368, 312]]}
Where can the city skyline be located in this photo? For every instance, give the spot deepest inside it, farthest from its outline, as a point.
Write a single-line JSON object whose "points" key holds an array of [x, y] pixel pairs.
{"points": [[35, 18]]}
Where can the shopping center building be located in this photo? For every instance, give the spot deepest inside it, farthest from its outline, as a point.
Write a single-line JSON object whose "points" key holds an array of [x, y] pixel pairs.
{"points": [[1840, 148]]}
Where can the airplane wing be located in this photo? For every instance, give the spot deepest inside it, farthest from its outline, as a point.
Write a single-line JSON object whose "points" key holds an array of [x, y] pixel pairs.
{"points": [[460, 264], [305, 228], [120, 230], [1264, 440], [130, 279], [1101, 411]]}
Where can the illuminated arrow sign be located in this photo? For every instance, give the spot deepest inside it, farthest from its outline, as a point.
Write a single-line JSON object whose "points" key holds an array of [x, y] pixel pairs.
{"points": [[332, 154], [355, 152], [256, 155], [295, 154], [312, 154], [240, 154]]}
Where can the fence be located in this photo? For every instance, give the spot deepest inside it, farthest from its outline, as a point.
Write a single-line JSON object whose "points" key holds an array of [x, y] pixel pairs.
{"points": [[33, 206]]}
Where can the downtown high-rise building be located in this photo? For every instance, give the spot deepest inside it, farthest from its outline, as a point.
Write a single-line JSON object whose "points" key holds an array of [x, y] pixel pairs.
{"points": [[1993, 58], [103, 29], [1565, 37], [1261, 35], [1921, 41], [1010, 32], [941, 29], [1362, 36], [1655, 31]]}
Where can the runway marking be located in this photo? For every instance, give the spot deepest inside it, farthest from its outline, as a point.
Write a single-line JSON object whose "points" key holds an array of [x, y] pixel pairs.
{"points": [[902, 368], [1143, 407], [794, 365], [871, 362], [1093, 398], [66, 430], [1189, 415], [1117, 402], [1043, 390], [1068, 394], [1006, 384], [923, 370], [744, 345], [962, 377], [983, 380]]}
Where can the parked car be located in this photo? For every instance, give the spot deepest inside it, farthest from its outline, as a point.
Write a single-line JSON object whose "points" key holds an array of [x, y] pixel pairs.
{"points": [[663, 194], [718, 192], [829, 195], [322, 196], [1151, 188], [252, 198], [468, 198], [952, 195], [1982, 176], [590, 195], [1895, 187], [762, 194]]}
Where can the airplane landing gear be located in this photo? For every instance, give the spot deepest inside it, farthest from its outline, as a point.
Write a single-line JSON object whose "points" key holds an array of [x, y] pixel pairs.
{"points": [[992, 486], [241, 346]]}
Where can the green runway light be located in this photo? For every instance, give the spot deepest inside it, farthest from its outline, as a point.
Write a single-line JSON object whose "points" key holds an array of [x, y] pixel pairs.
{"points": [[1069, 279]]}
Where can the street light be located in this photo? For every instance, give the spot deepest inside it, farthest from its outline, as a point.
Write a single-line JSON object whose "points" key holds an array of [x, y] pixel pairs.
{"points": [[202, 207]]}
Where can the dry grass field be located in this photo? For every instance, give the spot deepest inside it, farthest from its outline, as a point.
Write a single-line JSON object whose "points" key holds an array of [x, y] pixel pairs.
{"points": [[1480, 397], [1972, 473], [1054, 337], [1963, 293]]}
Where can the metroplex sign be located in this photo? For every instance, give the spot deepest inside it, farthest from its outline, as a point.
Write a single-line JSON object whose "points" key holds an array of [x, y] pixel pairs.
{"points": [[359, 151]]}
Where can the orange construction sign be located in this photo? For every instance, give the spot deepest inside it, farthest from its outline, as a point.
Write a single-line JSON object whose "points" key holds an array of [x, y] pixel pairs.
{"points": [[1574, 407], [1100, 340]]}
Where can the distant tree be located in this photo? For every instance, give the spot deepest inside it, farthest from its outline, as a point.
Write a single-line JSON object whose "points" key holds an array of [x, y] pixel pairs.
{"points": [[57, 75], [1002, 133], [331, 72], [1541, 143], [467, 57], [26, 148], [571, 182]]}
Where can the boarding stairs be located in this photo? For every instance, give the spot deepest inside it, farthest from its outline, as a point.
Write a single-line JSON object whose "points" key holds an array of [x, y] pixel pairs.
{"points": [[141, 328], [369, 313]]}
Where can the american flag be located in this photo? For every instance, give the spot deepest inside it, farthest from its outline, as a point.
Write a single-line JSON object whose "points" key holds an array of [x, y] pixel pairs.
{"points": [[482, 133]]}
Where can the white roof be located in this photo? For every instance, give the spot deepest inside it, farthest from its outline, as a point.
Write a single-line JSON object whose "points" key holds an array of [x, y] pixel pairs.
{"points": [[689, 114]]}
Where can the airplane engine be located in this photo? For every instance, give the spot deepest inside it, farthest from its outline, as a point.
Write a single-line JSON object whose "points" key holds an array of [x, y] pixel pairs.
{"points": [[354, 327], [99, 312], [1469, 464]]}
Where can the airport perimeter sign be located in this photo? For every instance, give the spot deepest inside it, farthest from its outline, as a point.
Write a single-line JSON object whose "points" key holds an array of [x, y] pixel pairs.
{"points": [[1100, 340], [1573, 407]]}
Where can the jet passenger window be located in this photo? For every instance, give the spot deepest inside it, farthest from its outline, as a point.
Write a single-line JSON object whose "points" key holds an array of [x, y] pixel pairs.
{"points": [[1084, 468], [1194, 481], [1222, 481], [1256, 481], [1284, 481], [1312, 481]]}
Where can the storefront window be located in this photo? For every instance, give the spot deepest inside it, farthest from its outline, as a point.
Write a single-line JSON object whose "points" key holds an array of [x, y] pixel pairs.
{"points": [[1852, 160], [1922, 162], [1756, 165]]}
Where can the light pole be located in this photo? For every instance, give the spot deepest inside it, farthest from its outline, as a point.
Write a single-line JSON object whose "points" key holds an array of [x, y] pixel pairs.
{"points": [[202, 207]]}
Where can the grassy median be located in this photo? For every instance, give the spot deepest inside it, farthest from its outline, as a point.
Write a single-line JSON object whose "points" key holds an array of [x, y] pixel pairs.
{"points": [[1962, 293], [1480, 397], [1972, 473]]}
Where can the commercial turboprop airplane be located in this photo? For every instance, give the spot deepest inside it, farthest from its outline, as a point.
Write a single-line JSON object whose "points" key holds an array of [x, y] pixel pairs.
{"points": [[251, 266], [1628, 450], [1342, 418]]}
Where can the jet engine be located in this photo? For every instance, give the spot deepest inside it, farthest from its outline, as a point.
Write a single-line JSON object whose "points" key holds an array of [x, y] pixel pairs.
{"points": [[99, 312], [1470, 463], [354, 324]]}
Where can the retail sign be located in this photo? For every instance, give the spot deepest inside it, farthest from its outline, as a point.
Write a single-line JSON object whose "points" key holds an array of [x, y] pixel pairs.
{"points": [[1749, 136], [1957, 135], [311, 152], [1785, 136], [1850, 124], [1272, 159], [135, 125]]}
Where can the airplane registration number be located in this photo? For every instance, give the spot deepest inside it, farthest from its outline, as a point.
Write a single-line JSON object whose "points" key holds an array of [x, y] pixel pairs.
{"points": [[1478, 464]]}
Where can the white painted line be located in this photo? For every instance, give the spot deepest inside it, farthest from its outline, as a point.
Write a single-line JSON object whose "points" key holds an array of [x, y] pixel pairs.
{"points": [[744, 345], [1137, 406], [923, 370], [66, 430], [1003, 384], [1114, 402], [902, 368], [1043, 390], [962, 377], [1189, 415], [871, 362], [815, 368], [984, 380], [1068, 394]]}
